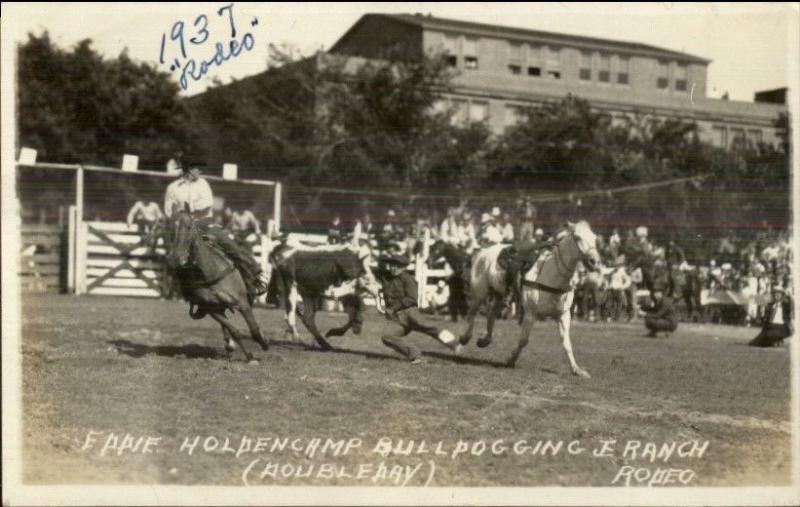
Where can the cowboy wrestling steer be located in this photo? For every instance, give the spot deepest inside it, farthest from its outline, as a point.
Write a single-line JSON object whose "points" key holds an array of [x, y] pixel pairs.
{"points": [[309, 273]]}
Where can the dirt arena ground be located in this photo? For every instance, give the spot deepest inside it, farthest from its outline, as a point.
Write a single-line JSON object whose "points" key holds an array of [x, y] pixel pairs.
{"points": [[98, 369]]}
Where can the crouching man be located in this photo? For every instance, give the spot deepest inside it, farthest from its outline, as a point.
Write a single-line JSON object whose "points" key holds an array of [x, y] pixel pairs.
{"points": [[777, 323], [660, 317], [400, 301]]}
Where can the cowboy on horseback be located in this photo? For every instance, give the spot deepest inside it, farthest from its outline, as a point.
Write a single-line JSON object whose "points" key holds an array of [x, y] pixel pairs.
{"points": [[193, 193]]}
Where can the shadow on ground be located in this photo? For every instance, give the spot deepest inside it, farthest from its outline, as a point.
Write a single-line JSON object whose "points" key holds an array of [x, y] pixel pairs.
{"points": [[190, 351]]}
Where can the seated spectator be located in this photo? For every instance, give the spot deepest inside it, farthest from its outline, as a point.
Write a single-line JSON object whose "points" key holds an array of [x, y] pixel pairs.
{"points": [[145, 215], [244, 221], [661, 316], [777, 322]]}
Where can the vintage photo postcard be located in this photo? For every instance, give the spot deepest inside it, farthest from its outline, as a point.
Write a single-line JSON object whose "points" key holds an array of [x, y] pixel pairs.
{"points": [[400, 253]]}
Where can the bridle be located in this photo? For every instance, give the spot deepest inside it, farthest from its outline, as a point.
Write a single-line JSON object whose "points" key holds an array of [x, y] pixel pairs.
{"points": [[559, 258]]}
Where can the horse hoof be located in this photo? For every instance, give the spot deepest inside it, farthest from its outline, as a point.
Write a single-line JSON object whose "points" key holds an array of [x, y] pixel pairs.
{"points": [[580, 372], [458, 349], [484, 342], [464, 339]]}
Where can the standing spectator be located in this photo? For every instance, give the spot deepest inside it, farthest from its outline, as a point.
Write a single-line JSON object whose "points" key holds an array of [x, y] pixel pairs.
{"points": [[619, 284], [507, 229], [614, 243], [467, 237], [777, 323], [448, 231], [526, 230], [400, 294], [335, 236], [660, 317]]}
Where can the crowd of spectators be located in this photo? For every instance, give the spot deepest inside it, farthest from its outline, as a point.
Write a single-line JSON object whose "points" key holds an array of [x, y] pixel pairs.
{"points": [[730, 283]]}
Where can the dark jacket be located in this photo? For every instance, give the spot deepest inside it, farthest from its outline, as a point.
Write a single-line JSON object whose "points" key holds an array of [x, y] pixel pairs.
{"points": [[663, 310], [769, 313], [399, 292]]}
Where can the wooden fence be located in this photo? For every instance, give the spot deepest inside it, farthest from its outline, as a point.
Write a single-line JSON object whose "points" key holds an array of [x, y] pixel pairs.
{"points": [[41, 258]]}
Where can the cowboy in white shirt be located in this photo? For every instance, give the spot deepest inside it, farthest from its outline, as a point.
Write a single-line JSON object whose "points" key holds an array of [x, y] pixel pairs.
{"points": [[490, 233], [193, 193]]}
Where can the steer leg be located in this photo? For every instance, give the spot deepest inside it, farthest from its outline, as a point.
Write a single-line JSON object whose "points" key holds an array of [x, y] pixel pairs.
{"points": [[495, 306], [307, 316], [353, 307], [226, 325], [230, 344], [291, 301]]}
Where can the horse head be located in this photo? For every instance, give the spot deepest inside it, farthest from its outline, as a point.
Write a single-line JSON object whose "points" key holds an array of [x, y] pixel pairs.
{"points": [[184, 235], [586, 243]]}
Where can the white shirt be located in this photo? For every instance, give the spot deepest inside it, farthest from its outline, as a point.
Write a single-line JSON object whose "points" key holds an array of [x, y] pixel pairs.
{"points": [[492, 234], [507, 232], [197, 194], [149, 212], [778, 317], [620, 280], [243, 221]]}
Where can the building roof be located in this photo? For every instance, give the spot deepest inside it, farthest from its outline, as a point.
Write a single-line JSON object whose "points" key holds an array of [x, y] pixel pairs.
{"points": [[428, 22]]}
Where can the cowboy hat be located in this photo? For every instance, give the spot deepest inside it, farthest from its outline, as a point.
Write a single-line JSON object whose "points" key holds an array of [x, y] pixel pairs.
{"points": [[395, 259]]}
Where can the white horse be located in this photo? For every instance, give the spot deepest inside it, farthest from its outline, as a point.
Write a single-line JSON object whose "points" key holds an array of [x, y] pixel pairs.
{"points": [[547, 288]]}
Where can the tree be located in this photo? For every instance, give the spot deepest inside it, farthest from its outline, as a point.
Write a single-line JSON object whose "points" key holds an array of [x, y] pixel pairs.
{"points": [[335, 120], [76, 106]]}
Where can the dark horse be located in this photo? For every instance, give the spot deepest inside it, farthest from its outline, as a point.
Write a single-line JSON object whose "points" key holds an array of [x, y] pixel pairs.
{"points": [[458, 281], [210, 282]]}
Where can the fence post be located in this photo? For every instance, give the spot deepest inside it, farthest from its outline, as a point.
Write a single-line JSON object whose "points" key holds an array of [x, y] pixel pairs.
{"points": [[277, 206], [421, 271], [71, 241]]}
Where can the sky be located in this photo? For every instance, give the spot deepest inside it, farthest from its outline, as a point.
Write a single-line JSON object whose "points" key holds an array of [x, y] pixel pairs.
{"points": [[750, 45]]}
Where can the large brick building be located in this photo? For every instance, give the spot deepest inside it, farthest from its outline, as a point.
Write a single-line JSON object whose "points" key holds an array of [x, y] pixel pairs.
{"points": [[501, 69]]}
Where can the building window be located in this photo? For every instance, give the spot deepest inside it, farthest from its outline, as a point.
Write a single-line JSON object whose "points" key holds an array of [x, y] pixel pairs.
{"points": [[719, 136], [754, 137], [515, 69], [554, 74], [585, 73], [604, 71], [513, 116], [470, 53], [680, 77], [478, 111], [663, 75], [534, 71], [623, 69], [450, 48]]}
